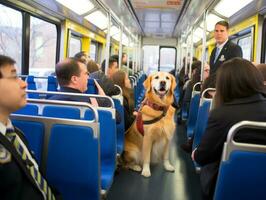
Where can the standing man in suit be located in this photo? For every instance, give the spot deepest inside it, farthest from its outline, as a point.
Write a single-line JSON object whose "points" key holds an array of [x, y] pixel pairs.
{"points": [[225, 49], [19, 172]]}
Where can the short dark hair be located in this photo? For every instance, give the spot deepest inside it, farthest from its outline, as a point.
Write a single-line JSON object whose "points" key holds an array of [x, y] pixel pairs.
{"points": [[237, 78], [5, 60], [223, 23], [111, 61], [66, 69]]}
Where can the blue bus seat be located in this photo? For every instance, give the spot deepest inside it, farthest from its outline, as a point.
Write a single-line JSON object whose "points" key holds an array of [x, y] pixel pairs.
{"points": [[73, 162], [29, 109], [92, 89], [242, 172], [120, 128], [34, 133], [107, 146], [61, 112], [52, 83], [193, 113], [32, 86]]}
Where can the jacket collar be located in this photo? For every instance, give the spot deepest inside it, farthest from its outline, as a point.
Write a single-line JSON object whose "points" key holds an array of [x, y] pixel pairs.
{"points": [[69, 89], [254, 98]]}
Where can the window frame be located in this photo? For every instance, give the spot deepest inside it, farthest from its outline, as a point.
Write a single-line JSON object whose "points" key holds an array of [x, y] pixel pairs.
{"points": [[25, 51]]}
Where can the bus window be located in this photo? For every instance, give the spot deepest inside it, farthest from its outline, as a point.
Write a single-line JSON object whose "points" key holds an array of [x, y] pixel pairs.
{"points": [[43, 36], [150, 58], [93, 51], [11, 34], [246, 44], [74, 45], [167, 58]]}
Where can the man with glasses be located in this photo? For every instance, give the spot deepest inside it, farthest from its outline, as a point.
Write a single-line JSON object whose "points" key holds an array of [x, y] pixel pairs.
{"points": [[19, 172], [72, 76]]}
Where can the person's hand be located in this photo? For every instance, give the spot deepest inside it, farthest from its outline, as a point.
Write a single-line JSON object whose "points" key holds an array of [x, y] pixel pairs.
{"points": [[100, 90], [94, 101], [192, 154], [135, 113]]}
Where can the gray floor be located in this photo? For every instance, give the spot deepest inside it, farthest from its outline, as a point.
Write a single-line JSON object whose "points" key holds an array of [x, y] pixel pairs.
{"points": [[183, 184]]}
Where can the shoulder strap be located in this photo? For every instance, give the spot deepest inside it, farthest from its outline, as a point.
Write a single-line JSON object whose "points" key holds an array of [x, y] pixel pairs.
{"points": [[9, 146], [155, 119]]}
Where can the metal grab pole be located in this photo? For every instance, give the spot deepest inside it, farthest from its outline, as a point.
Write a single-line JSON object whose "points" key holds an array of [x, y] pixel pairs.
{"points": [[120, 46], [108, 39], [203, 45]]}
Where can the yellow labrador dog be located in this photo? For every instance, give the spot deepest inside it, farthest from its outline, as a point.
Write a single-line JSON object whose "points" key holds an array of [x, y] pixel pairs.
{"points": [[149, 137]]}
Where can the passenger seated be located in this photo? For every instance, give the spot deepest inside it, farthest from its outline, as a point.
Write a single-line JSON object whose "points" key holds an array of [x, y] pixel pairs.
{"points": [[239, 96], [262, 69], [92, 66], [209, 82], [82, 57], [196, 66], [121, 78], [72, 76], [19, 171], [105, 81]]}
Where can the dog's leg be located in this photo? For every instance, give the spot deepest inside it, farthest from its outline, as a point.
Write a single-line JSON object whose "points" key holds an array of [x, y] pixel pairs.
{"points": [[167, 165], [146, 154]]}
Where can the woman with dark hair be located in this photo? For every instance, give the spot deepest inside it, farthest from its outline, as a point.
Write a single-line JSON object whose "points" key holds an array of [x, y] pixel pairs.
{"points": [[121, 78], [239, 96]]}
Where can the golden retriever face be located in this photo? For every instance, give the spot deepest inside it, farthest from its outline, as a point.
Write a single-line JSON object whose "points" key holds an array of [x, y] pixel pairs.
{"points": [[160, 87]]}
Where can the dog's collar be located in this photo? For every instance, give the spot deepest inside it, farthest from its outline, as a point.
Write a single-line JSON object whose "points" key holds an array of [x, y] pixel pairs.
{"points": [[155, 106]]}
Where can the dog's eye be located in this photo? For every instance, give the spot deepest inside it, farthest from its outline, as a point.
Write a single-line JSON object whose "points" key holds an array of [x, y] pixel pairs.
{"points": [[167, 78], [156, 77]]}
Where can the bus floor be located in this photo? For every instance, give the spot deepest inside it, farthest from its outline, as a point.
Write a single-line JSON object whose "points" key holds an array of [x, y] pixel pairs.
{"points": [[183, 184]]}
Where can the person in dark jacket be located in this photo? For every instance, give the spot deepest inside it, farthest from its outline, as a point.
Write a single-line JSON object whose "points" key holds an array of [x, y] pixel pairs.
{"points": [[16, 179], [105, 80], [225, 49], [239, 96], [72, 76]]}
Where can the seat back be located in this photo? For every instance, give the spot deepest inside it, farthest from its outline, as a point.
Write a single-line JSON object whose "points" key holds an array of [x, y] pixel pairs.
{"points": [[193, 113], [108, 146], [34, 133], [61, 112], [31, 86], [242, 172], [73, 166], [120, 128], [29, 109], [92, 89]]}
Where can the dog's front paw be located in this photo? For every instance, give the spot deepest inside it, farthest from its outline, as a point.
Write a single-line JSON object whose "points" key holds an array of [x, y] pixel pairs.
{"points": [[136, 168], [146, 170], [168, 166]]}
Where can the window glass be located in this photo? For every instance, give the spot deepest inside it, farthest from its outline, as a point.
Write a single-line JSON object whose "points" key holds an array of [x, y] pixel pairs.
{"points": [[74, 45], [246, 45], [11, 34], [150, 59], [43, 36], [167, 59], [93, 51]]}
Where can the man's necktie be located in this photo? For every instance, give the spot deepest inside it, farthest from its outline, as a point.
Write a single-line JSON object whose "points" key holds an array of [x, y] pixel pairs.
{"points": [[217, 52], [40, 181]]}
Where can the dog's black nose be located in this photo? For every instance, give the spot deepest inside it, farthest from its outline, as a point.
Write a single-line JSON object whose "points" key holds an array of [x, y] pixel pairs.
{"points": [[162, 83]]}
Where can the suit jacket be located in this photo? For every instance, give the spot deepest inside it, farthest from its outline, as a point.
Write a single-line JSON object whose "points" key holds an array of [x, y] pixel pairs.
{"points": [[230, 50], [16, 181], [208, 153]]}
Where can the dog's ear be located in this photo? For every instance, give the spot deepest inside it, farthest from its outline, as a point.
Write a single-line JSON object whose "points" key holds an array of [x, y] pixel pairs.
{"points": [[173, 83], [147, 84]]}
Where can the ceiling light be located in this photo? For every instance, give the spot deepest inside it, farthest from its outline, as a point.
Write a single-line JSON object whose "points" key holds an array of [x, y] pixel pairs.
{"points": [[79, 6], [234, 6]]}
